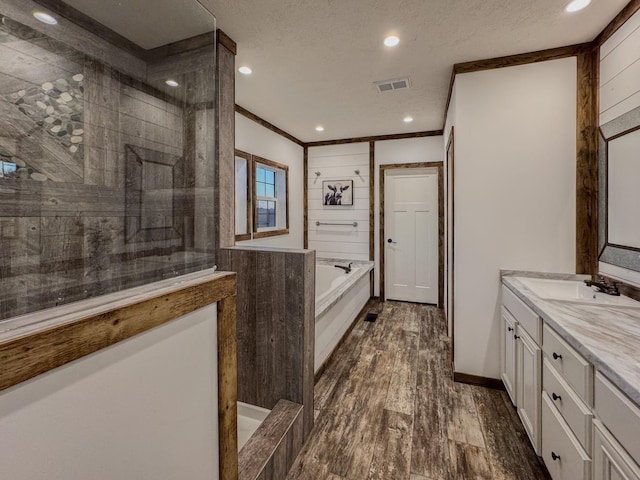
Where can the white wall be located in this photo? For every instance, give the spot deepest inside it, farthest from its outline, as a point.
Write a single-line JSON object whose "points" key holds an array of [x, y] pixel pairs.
{"points": [[411, 150], [339, 162], [143, 408], [257, 140], [515, 164]]}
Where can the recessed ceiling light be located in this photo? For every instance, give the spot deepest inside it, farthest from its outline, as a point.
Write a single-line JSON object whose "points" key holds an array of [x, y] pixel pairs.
{"points": [[245, 70], [577, 5], [408, 119], [319, 128], [391, 41], [172, 83], [45, 18]]}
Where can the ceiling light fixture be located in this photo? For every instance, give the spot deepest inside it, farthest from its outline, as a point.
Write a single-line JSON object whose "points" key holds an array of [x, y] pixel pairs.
{"points": [[408, 119], [577, 5], [172, 83], [45, 18], [319, 128], [245, 70], [391, 41]]}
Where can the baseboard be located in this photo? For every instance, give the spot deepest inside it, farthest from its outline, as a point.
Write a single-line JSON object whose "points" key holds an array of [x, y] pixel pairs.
{"points": [[323, 367], [493, 383]]}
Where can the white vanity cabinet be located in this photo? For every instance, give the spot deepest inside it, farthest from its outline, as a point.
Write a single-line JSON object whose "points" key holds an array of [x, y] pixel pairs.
{"points": [[581, 424], [566, 416], [617, 434], [610, 460], [508, 354], [522, 362]]}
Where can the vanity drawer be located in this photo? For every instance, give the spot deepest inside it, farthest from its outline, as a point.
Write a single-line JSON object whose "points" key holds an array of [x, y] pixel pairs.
{"points": [[575, 370], [523, 314], [562, 454], [573, 410], [619, 414]]}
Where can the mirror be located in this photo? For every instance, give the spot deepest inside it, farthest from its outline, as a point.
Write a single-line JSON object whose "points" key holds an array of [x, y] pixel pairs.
{"points": [[619, 222]]}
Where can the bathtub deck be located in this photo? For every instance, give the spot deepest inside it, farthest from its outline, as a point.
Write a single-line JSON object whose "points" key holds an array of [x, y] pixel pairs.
{"points": [[387, 408]]}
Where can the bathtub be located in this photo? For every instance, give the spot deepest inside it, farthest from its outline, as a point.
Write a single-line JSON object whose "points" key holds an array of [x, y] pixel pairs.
{"points": [[250, 417], [340, 296]]}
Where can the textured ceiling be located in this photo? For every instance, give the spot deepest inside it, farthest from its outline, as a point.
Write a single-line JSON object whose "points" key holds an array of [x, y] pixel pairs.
{"points": [[150, 23], [315, 61]]}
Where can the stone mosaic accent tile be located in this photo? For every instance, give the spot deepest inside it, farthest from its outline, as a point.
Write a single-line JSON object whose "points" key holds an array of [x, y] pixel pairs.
{"points": [[57, 107]]}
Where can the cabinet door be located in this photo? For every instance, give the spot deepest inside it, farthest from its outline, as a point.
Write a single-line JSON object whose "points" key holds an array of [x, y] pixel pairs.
{"points": [[529, 385], [508, 354], [610, 460]]}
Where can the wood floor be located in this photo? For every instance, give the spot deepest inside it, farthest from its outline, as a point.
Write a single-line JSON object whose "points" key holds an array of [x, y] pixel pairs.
{"points": [[387, 408]]}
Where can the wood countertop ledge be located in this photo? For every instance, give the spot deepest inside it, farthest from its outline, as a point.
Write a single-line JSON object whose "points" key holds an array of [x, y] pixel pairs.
{"points": [[38, 342]]}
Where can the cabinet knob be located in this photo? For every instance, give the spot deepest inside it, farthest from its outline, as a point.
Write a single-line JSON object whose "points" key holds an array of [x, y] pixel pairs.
{"points": [[554, 456], [557, 356], [510, 329], [516, 337], [556, 397]]}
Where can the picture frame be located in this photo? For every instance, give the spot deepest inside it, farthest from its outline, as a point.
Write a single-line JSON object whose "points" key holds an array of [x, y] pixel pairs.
{"points": [[337, 193]]}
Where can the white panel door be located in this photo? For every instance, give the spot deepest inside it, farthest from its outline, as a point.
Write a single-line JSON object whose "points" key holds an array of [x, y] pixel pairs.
{"points": [[411, 235]]}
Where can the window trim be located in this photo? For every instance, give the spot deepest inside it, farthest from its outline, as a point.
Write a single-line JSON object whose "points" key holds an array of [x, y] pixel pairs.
{"points": [[249, 215], [268, 232]]}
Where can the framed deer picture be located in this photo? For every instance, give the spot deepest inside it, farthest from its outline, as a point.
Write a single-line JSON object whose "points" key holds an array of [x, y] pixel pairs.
{"points": [[337, 192]]}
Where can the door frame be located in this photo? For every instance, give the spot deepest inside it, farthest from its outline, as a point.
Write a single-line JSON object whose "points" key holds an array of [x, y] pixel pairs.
{"points": [[399, 166]]}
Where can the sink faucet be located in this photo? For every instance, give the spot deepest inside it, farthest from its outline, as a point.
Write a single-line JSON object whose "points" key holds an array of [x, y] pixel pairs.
{"points": [[346, 269], [604, 287]]}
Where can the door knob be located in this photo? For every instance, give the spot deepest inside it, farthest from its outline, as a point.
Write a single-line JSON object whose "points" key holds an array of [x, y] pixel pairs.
{"points": [[555, 456], [391, 241], [556, 397], [557, 356], [510, 329]]}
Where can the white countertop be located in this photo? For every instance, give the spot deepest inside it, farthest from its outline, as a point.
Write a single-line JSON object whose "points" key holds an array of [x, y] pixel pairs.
{"points": [[607, 336]]}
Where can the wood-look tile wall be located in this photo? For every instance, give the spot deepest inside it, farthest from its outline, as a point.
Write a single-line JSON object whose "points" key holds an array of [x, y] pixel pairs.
{"points": [[68, 126], [276, 326]]}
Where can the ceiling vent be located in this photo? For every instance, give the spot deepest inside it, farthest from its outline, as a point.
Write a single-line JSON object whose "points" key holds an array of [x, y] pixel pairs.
{"points": [[393, 85]]}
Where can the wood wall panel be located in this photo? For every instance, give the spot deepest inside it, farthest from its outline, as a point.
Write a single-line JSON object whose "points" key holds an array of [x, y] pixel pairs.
{"points": [[587, 164], [271, 450], [225, 144], [276, 325]]}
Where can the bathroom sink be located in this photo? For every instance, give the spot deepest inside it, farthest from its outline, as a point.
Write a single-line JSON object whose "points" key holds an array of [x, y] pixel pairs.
{"points": [[574, 291]]}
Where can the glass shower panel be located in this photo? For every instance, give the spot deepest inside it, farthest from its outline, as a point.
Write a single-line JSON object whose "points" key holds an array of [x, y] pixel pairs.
{"points": [[107, 128]]}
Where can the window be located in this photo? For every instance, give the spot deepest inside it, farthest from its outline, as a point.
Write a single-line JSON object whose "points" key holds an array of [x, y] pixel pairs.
{"points": [[266, 197], [262, 203], [271, 209]]}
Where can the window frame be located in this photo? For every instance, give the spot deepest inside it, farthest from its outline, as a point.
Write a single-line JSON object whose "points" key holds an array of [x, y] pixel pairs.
{"points": [[274, 166], [248, 193]]}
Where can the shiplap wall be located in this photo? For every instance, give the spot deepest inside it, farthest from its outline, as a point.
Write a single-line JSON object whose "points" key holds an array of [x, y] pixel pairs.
{"points": [[619, 94], [620, 71], [338, 162]]}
